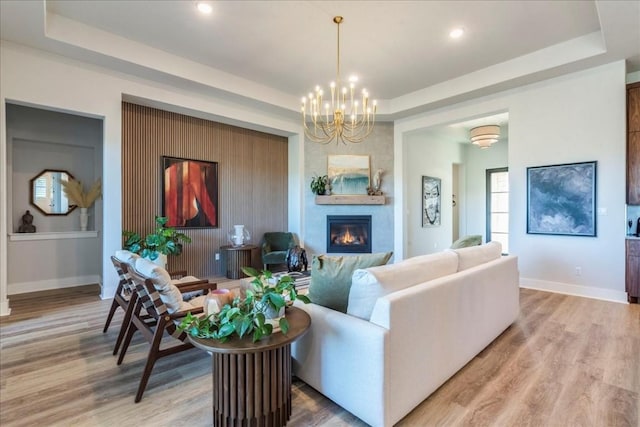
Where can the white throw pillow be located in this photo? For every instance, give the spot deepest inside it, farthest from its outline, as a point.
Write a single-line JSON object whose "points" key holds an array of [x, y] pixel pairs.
{"points": [[367, 285], [476, 255], [169, 293], [127, 257]]}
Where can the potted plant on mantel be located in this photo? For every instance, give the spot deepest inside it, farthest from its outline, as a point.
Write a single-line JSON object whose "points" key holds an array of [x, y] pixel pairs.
{"points": [[157, 245], [258, 313], [320, 185]]}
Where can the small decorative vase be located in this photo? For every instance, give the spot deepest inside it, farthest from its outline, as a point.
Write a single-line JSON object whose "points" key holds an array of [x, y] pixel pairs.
{"points": [[239, 235], [271, 316], [216, 299], [84, 219]]}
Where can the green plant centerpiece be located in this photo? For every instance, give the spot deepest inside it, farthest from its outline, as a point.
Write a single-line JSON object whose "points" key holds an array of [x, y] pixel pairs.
{"points": [[319, 185], [248, 315], [163, 240]]}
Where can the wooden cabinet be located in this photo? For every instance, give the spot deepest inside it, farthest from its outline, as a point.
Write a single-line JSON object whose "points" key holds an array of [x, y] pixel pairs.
{"points": [[633, 144], [633, 107], [633, 270], [633, 168]]}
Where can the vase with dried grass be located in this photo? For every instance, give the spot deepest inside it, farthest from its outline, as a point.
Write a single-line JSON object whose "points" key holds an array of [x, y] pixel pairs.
{"points": [[75, 193]]}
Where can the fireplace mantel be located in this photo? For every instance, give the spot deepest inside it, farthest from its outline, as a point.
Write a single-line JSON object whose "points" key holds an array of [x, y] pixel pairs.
{"points": [[340, 199]]}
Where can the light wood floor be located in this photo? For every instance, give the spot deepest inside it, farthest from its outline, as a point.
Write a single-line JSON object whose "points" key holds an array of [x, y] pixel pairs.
{"points": [[567, 361]]}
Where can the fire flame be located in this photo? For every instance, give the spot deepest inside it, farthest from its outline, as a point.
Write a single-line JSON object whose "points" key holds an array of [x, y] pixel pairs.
{"points": [[347, 238]]}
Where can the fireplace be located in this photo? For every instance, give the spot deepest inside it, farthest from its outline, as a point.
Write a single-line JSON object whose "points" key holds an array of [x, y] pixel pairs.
{"points": [[349, 234]]}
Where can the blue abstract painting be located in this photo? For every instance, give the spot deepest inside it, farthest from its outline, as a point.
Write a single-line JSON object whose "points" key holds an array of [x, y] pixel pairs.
{"points": [[348, 174], [561, 199]]}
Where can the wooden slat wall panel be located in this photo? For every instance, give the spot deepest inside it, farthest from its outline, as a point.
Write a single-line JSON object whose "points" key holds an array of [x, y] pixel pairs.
{"points": [[252, 173]]}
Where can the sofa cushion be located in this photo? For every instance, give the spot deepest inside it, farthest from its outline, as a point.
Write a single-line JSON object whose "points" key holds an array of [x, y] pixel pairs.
{"points": [[476, 255], [466, 241], [331, 277], [370, 284]]}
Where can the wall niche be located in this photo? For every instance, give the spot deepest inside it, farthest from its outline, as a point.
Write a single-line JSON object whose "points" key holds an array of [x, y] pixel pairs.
{"points": [[39, 139]]}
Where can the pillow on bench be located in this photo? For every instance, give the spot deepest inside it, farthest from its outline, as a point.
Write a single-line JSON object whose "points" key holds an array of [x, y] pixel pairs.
{"points": [[331, 277], [467, 241], [166, 287], [370, 284], [476, 255]]}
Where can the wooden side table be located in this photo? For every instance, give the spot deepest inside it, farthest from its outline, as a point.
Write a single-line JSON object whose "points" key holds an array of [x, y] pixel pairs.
{"points": [[252, 381], [237, 257]]}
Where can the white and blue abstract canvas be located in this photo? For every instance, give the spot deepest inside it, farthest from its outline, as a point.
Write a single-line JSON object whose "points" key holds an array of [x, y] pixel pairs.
{"points": [[348, 174], [561, 199]]}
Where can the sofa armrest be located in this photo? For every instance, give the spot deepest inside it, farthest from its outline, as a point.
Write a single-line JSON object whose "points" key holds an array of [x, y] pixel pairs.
{"points": [[344, 357]]}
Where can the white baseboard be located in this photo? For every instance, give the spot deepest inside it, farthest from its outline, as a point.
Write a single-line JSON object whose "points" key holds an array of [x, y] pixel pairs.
{"points": [[45, 285], [576, 290], [5, 310]]}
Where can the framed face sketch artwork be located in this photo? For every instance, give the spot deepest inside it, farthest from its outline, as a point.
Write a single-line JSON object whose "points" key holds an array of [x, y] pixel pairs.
{"points": [[561, 199], [431, 201], [190, 193]]}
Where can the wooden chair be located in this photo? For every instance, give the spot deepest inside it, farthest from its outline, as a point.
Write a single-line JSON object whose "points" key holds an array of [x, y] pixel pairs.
{"points": [[163, 302], [125, 296]]}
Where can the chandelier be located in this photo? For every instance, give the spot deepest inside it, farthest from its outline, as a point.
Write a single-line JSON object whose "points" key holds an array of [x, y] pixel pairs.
{"points": [[485, 136], [346, 117]]}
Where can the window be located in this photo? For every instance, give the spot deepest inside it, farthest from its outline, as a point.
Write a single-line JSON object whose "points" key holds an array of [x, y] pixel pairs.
{"points": [[40, 188], [498, 207]]}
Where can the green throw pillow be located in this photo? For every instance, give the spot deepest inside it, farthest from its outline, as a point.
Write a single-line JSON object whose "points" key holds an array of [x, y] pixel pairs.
{"points": [[331, 277], [467, 241]]}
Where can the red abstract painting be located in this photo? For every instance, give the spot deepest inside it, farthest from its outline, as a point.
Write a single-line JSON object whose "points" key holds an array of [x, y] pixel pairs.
{"points": [[190, 192]]}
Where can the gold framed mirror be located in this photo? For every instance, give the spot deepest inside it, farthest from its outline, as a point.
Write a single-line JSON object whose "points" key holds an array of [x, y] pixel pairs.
{"points": [[46, 193]]}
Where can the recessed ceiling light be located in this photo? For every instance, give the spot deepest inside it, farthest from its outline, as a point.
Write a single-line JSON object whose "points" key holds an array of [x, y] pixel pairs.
{"points": [[456, 33], [204, 7]]}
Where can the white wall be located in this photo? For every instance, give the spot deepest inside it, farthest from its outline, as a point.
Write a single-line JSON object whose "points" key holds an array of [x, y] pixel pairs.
{"points": [[428, 154], [574, 118], [32, 77]]}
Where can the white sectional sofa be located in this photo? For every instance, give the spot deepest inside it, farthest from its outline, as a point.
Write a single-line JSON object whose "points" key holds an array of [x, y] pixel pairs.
{"points": [[409, 327]]}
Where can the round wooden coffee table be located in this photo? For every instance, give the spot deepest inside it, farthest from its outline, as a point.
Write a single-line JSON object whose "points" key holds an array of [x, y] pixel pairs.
{"points": [[252, 381]]}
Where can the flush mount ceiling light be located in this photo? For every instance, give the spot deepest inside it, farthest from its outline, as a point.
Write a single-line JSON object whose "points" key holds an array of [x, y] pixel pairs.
{"points": [[344, 118], [485, 136], [204, 7], [456, 33]]}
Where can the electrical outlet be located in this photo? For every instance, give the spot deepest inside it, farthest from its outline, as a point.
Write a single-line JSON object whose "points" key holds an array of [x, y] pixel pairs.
{"points": [[578, 271], [217, 256]]}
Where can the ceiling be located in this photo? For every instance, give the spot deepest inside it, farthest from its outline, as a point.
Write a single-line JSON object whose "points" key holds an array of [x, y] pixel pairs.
{"points": [[270, 53]]}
